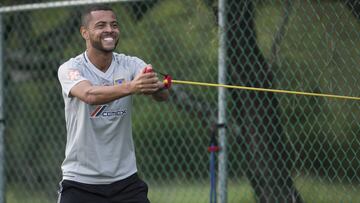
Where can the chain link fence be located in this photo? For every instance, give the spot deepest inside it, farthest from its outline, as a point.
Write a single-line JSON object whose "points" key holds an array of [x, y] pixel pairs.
{"points": [[280, 148]]}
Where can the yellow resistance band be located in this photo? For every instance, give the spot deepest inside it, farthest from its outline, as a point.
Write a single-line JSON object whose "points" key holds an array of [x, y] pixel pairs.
{"points": [[264, 89]]}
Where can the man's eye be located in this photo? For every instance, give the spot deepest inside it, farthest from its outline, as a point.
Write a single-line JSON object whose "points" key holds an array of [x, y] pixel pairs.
{"points": [[100, 25]]}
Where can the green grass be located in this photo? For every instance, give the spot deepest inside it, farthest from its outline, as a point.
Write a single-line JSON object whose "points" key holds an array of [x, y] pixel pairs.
{"points": [[18, 194], [311, 189], [197, 193], [320, 191]]}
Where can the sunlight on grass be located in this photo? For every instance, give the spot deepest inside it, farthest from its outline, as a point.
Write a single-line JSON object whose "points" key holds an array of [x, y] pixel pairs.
{"points": [[311, 190]]}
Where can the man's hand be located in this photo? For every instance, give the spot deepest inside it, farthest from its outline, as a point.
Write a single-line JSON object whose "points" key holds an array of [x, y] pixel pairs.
{"points": [[146, 82]]}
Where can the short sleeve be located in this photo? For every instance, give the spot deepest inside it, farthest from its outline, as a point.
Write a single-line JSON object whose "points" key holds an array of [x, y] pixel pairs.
{"points": [[69, 74], [136, 64]]}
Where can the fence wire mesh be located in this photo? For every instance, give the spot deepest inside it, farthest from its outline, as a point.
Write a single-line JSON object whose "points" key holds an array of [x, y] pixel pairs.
{"points": [[281, 148]]}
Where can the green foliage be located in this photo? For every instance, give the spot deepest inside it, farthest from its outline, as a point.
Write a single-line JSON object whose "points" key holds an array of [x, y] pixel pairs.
{"points": [[180, 49], [176, 48], [318, 127], [30, 132]]}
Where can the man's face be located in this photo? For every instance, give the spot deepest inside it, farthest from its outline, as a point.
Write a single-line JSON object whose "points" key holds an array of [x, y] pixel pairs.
{"points": [[102, 31]]}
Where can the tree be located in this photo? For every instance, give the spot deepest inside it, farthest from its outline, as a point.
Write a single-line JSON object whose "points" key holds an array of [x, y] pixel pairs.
{"points": [[262, 138], [354, 7]]}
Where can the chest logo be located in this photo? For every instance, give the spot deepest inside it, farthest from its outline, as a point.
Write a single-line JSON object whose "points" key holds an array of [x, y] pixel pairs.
{"points": [[119, 81], [101, 111]]}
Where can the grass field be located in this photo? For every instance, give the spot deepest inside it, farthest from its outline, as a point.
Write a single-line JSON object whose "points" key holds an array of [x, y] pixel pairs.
{"points": [[312, 190]]}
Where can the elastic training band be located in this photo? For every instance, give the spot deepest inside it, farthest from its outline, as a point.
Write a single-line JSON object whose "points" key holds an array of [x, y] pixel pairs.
{"points": [[265, 90]]}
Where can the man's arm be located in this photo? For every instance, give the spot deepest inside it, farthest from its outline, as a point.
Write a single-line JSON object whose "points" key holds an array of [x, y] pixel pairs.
{"points": [[143, 83]]}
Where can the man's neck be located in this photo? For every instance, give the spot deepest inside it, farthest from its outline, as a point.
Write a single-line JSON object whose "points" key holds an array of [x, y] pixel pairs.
{"points": [[101, 60]]}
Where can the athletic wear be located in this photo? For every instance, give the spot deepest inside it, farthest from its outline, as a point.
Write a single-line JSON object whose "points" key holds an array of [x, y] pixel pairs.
{"points": [[99, 147], [129, 190]]}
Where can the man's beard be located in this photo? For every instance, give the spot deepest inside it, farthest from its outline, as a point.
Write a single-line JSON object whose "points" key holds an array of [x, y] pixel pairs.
{"points": [[98, 45]]}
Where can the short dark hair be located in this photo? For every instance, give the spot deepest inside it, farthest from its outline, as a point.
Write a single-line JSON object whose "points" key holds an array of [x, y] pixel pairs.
{"points": [[95, 7]]}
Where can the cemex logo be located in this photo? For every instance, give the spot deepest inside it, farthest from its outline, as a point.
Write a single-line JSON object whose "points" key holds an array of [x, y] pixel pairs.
{"points": [[100, 111]]}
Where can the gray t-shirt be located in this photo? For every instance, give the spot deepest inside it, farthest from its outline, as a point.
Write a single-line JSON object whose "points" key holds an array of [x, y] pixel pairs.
{"points": [[99, 148]]}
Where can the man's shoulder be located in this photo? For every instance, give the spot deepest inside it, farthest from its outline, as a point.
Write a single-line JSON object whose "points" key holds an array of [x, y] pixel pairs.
{"points": [[75, 62], [123, 58]]}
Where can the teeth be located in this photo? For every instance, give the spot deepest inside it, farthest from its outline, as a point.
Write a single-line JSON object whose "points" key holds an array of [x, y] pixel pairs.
{"points": [[108, 39]]}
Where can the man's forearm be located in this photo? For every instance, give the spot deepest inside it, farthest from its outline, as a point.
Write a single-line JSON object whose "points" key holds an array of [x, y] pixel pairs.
{"points": [[105, 94]]}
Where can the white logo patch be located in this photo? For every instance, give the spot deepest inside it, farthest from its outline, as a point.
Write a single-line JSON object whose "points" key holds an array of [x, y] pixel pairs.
{"points": [[73, 74]]}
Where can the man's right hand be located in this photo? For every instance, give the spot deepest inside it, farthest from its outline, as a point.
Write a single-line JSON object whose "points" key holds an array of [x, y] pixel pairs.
{"points": [[146, 82]]}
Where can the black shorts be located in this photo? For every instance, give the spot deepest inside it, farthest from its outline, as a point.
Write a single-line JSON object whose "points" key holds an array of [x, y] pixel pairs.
{"points": [[129, 190]]}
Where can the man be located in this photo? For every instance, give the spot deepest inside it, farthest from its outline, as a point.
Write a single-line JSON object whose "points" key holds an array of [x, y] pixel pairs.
{"points": [[97, 85]]}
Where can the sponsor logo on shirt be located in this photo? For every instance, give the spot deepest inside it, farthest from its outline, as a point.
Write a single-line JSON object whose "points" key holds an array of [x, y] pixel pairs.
{"points": [[119, 81], [100, 111]]}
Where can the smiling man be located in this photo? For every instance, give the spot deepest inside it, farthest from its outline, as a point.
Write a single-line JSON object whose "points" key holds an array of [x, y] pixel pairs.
{"points": [[97, 86]]}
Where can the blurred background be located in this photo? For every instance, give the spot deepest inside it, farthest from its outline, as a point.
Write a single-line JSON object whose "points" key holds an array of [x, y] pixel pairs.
{"points": [[279, 147]]}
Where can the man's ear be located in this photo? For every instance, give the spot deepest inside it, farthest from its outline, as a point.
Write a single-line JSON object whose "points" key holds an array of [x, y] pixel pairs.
{"points": [[84, 32]]}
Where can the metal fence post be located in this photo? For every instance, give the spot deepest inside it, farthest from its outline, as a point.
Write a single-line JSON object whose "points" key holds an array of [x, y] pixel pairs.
{"points": [[222, 181], [2, 124]]}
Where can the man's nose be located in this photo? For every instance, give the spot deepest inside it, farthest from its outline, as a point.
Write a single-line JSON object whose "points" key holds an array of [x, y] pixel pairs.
{"points": [[108, 28]]}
